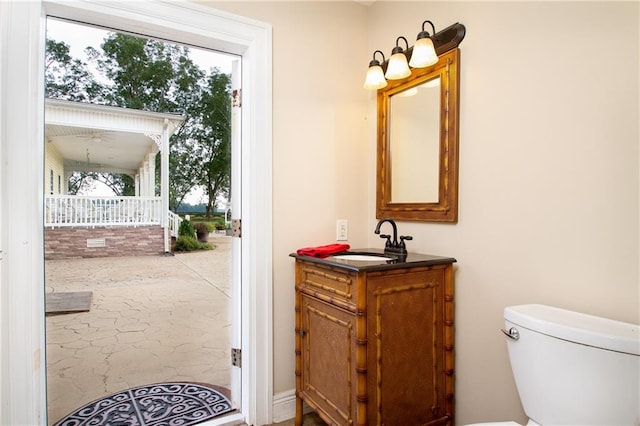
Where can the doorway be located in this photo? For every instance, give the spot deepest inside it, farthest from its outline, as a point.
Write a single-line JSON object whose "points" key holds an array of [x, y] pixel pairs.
{"points": [[22, 325], [122, 320]]}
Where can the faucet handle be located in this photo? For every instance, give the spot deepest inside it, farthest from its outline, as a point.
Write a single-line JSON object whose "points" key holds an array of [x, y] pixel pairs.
{"points": [[404, 237], [388, 237]]}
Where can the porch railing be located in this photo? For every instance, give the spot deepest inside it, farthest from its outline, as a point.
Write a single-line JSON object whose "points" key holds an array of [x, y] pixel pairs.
{"points": [[90, 211], [174, 223]]}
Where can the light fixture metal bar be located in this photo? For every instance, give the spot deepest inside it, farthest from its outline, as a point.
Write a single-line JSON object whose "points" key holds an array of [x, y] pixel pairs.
{"points": [[449, 38]]}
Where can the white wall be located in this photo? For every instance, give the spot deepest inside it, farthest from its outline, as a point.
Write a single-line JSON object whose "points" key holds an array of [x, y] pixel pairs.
{"points": [[548, 163], [548, 172]]}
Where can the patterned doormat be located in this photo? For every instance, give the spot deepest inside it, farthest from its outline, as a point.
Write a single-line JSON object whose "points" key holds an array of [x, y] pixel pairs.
{"points": [[158, 404]]}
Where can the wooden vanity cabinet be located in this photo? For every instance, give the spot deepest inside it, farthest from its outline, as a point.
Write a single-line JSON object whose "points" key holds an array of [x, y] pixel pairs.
{"points": [[375, 347]]}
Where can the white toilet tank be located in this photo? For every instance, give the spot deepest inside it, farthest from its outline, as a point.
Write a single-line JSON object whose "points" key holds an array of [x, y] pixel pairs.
{"points": [[572, 368]]}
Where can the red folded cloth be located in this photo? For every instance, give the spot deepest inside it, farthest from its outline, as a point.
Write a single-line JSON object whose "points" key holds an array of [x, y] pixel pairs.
{"points": [[323, 251]]}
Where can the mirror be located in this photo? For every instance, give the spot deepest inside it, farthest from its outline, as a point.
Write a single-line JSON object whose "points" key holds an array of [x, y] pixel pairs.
{"points": [[414, 143], [417, 165]]}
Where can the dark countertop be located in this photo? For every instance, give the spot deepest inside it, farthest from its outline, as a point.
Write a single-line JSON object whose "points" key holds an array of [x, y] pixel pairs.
{"points": [[412, 260]]}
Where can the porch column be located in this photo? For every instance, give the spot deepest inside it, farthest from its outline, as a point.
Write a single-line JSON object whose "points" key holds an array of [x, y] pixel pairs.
{"points": [[144, 181], [164, 184], [141, 178], [151, 177], [136, 179]]}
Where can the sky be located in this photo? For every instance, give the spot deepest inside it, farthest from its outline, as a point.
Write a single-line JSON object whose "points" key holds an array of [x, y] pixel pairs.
{"points": [[78, 37]]}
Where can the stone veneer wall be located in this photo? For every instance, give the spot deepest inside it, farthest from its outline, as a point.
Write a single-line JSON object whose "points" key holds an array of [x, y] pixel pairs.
{"points": [[68, 243]]}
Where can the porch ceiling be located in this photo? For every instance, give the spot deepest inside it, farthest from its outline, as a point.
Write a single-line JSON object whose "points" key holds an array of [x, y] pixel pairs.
{"points": [[101, 138], [93, 149]]}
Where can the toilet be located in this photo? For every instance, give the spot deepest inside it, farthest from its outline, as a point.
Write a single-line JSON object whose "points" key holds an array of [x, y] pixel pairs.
{"points": [[572, 368]]}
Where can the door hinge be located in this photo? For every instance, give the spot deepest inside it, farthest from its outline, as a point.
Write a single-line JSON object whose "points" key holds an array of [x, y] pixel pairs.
{"points": [[236, 228], [236, 357], [236, 98]]}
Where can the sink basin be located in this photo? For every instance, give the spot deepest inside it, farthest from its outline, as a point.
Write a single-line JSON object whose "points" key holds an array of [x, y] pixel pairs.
{"points": [[364, 257]]}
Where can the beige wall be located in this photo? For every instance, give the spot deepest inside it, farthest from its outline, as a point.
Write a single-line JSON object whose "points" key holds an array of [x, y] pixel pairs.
{"points": [[320, 141], [548, 172], [548, 163]]}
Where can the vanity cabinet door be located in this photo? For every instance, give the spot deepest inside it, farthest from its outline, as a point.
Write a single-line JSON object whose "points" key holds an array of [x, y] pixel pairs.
{"points": [[406, 348], [328, 359]]}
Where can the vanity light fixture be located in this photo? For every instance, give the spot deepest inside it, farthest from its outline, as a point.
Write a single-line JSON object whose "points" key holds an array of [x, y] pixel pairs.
{"points": [[398, 67], [375, 76], [423, 54]]}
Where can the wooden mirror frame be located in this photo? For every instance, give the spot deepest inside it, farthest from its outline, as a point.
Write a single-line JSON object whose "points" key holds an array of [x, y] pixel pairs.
{"points": [[446, 209]]}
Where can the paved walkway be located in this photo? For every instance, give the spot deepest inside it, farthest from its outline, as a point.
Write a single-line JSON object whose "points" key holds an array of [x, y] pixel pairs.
{"points": [[153, 319]]}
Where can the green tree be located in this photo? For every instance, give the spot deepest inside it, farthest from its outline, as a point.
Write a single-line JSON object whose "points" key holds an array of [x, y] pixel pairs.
{"points": [[156, 76], [142, 71], [68, 78], [80, 181], [216, 133], [120, 184]]}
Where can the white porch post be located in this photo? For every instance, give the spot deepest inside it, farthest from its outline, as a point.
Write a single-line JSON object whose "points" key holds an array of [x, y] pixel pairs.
{"points": [[141, 179], [136, 179], [151, 170], [164, 184], [144, 184]]}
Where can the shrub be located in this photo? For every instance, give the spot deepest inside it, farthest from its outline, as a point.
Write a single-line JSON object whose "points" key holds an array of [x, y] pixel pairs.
{"points": [[186, 229], [201, 227], [188, 243]]}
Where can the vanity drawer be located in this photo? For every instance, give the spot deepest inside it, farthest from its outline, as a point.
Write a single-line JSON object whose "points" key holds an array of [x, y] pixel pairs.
{"points": [[328, 284]]}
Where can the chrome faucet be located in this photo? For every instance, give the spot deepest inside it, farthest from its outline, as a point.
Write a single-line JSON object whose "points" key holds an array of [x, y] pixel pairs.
{"points": [[393, 246]]}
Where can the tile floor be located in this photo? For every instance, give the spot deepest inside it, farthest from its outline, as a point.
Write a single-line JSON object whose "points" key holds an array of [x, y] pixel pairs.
{"points": [[153, 319]]}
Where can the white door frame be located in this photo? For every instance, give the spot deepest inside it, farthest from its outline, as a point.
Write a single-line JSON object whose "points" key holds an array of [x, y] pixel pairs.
{"points": [[22, 334], [235, 203]]}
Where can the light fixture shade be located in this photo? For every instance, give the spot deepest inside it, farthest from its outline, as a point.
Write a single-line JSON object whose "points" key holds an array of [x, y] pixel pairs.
{"points": [[375, 78], [398, 67], [424, 54]]}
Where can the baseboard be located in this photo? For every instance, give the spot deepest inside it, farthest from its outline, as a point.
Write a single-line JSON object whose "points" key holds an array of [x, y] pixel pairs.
{"points": [[284, 406]]}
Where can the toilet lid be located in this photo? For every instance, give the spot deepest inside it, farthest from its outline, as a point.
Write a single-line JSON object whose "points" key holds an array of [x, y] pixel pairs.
{"points": [[577, 327]]}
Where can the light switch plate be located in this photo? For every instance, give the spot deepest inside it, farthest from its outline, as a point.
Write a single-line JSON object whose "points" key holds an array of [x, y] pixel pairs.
{"points": [[342, 230]]}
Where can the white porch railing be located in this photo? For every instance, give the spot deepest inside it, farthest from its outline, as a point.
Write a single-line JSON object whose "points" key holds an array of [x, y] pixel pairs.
{"points": [[174, 223], [89, 211]]}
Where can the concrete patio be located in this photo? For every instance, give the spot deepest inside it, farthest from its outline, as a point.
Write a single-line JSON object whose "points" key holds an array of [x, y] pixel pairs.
{"points": [[153, 319]]}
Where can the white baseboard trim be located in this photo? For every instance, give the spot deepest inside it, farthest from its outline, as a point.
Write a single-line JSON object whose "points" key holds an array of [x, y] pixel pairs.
{"points": [[284, 406]]}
